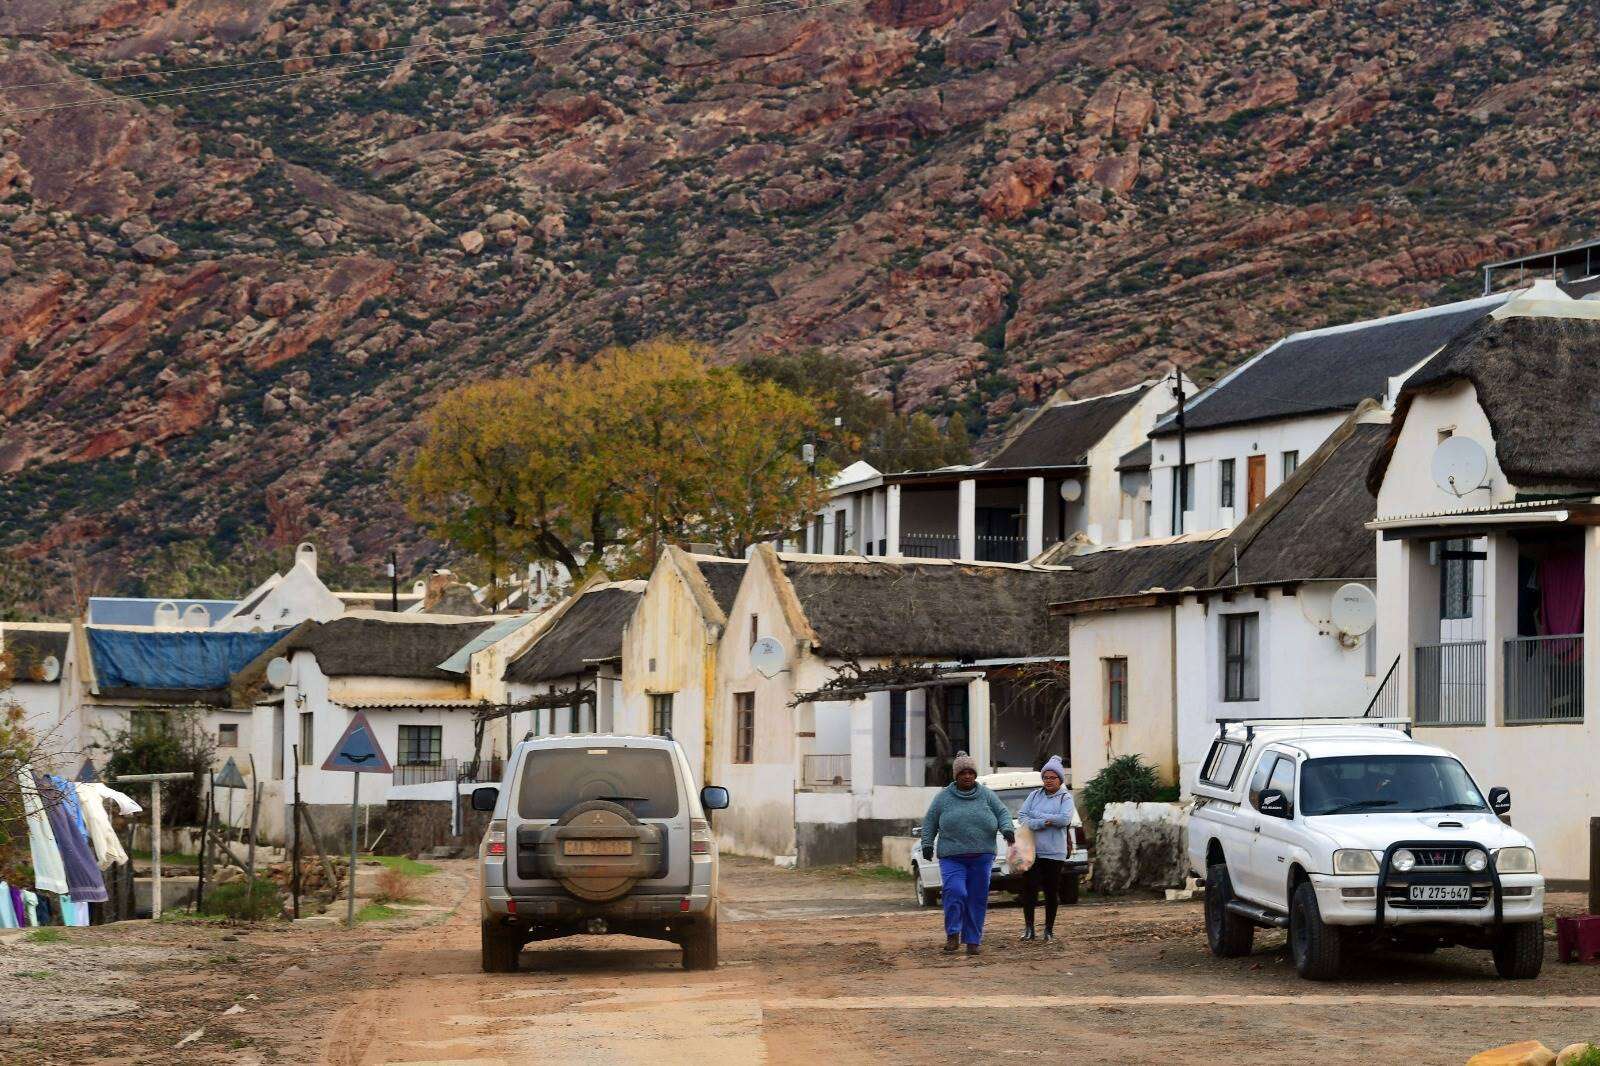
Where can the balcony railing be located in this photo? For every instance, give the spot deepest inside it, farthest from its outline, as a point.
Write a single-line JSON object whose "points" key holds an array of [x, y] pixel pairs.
{"points": [[988, 549], [1449, 683], [489, 770], [1544, 679], [825, 771]]}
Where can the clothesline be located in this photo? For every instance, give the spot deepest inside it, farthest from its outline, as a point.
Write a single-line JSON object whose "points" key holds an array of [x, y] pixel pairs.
{"points": [[70, 841]]}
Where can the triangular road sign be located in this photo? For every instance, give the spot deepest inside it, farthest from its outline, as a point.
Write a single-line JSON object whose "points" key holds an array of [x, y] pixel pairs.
{"points": [[229, 776], [357, 751]]}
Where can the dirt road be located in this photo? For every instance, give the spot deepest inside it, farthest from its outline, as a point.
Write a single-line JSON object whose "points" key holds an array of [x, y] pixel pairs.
{"points": [[815, 966]]}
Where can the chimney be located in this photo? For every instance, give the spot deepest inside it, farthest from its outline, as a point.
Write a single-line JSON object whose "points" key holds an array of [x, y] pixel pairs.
{"points": [[438, 581], [306, 555]]}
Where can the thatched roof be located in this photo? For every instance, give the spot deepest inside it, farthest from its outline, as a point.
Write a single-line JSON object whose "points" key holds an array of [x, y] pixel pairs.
{"points": [[27, 648], [1061, 434], [588, 630], [1134, 570], [457, 599], [862, 608], [381, 647], [723, 576], [1538, 381], [1326, 370], [1313, 527]]}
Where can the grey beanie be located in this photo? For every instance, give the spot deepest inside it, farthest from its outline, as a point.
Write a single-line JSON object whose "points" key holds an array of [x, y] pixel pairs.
{"points": [[963, 762], [1053, 765]]}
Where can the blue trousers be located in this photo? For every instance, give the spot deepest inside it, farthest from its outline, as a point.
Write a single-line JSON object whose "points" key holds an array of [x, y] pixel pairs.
{"points": [[966, 894]]}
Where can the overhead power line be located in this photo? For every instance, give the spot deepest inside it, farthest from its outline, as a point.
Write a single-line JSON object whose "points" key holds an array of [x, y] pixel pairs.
{"points": [[524, 41]]}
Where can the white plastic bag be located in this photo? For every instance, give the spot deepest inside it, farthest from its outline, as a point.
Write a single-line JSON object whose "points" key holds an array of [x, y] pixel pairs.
{"points": [[1020, 855]]}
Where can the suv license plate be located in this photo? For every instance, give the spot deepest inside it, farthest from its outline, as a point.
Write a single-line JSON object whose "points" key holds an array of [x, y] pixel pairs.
{"points": [[597, 847], [1441, 893]]}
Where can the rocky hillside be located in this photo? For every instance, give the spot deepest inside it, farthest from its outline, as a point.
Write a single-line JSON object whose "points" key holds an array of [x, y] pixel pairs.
{"points": [[222, 312]]}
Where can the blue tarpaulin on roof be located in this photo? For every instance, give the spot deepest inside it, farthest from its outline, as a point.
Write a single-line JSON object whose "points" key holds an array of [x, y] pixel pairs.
{"points": [[173, 660]]}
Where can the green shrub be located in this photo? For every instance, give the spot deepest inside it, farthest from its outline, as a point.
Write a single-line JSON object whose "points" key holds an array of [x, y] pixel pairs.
{"points": [[235, 901], [1126, 779], [1589, 1056]]}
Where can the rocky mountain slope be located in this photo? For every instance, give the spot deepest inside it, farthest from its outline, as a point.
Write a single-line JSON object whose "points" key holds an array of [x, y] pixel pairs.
{"points": [[222, 312]]}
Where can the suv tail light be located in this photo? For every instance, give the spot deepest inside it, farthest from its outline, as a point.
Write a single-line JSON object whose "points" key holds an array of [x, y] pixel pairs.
{"points": [[700, 839], [496, 840]]}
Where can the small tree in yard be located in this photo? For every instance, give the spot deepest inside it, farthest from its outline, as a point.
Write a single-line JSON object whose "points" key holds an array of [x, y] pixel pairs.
{"points": [[1125, 779], [168, 742]]}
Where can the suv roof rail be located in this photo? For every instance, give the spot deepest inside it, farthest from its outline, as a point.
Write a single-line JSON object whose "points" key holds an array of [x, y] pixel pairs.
{"points": [[1251, 724]]}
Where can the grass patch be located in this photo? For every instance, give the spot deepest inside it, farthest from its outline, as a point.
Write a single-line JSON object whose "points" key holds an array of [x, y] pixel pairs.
{"points": [[45, 936], [37, 975], [175, 858], [376, 912], [237, 901], [184, 917], [409, 867]]}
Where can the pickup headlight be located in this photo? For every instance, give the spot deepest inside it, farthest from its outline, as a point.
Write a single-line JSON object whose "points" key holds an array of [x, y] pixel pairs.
{"points": [[1354, 861], [1403, 860], [1475, 861], [1516, 861]]}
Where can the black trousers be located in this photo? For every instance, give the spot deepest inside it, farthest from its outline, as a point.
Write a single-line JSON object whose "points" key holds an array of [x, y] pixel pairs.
{"points": [[1045, 872]]}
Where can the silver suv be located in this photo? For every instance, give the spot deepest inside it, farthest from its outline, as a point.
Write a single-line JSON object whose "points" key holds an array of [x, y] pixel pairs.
{"points": [[598, 834]]}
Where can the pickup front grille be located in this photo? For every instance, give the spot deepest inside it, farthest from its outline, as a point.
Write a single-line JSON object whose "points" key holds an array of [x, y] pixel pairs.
{"points": [[1440, 858]]}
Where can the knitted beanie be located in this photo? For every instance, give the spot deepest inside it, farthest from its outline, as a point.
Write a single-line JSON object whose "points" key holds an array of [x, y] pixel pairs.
{"points": [[1053, 765], [963, 762]]}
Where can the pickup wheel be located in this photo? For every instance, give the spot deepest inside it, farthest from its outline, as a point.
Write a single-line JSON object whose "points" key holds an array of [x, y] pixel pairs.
{"points": [[500, 952], [700, 946], [1229, 935], [1519, 953], [1318, 948], [926, 897]]}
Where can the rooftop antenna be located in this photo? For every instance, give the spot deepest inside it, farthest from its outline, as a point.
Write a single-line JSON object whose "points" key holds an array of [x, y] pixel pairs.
{"points": [[394, 583], [1180, 480]]}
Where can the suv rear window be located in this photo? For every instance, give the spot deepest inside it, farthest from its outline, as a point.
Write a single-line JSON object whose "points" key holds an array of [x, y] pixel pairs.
{"points": [[1222, 763], [640, 779]]}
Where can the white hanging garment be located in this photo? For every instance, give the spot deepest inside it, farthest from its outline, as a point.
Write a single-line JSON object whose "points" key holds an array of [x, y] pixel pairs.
{"points": [[49, 874], [102, 837]]}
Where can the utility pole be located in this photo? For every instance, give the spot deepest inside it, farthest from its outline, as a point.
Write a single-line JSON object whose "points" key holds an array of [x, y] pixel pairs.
{"points": [[394, 583], [1180, 480]]}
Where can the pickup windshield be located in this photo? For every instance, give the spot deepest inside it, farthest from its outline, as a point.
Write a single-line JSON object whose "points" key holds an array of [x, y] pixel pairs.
{"points": [[1387, 784]]}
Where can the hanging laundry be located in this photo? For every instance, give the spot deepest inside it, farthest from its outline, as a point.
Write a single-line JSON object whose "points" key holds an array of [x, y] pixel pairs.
{"points": [[69, 796], [49, 873], [30, 903], [18, 911], [83, 873], [8, 916], [73, 912], [125, 804], [107, 848], [46, 913]]}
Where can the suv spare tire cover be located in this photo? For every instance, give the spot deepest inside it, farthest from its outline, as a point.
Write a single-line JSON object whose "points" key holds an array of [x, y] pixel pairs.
{"points": [[595, 825]]}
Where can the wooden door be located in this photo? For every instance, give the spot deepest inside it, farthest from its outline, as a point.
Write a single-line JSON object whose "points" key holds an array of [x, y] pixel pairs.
{"points": [[1256, 475]]}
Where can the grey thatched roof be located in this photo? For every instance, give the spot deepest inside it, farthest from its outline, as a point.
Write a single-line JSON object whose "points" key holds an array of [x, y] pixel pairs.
{"points": [[1136, 570], [376, 647], [724, 577], [588, 630], [29, 648], [457, 599], [1062, 434], [927, 610], [1538, 381], [1137, 459], [1313, 527], [1330, 369]]}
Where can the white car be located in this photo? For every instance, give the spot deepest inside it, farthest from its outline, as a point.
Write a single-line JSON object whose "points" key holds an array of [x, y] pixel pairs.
{"points": [[1349, 834], [1013, 787]]}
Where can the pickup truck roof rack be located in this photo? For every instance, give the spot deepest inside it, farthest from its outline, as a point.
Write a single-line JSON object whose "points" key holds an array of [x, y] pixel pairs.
{"points": [[1250, 724]]}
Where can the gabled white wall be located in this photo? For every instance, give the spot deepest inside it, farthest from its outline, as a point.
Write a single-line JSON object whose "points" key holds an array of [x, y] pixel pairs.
{"points": [[297, 596]]}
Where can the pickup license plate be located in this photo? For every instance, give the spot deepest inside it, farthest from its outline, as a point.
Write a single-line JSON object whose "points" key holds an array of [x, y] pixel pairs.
{"points": [[1441, 894], [597, 847]]}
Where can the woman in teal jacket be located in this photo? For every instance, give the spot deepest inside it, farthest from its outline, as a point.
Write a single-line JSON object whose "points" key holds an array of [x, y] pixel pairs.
{"points": [[962, 821]]}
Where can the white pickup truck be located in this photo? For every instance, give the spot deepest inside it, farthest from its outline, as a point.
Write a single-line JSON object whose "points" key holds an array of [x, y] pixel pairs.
{"points": [[1351, 834]]}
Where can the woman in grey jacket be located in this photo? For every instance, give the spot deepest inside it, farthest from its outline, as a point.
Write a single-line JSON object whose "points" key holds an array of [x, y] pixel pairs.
{"points": [[963, 820], [1048, 812]]}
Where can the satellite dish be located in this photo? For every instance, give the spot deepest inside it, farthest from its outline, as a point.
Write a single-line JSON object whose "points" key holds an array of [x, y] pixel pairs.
{"points": [[50, 668], [1072, 490], [278, 672], [1354, 609], [768, 657], [1460, 465]]}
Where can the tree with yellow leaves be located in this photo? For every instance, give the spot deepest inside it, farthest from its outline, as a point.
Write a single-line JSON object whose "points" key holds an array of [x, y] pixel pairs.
{"points": [[605, 462]]}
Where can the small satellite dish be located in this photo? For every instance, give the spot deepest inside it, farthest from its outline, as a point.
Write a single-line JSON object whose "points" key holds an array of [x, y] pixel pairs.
{"points": [[279, 673], [768, 657], [50, 668], [1460, 465], [1354, 609], [1072, 490]]}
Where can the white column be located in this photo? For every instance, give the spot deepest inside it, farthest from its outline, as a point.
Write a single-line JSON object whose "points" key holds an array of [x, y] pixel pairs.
{"points": [[979, 725], [864, 529], [1035, 516], [967, 519], [864, 717], [916, 736], [1591, 629], [1500, 611], [892, 521]]}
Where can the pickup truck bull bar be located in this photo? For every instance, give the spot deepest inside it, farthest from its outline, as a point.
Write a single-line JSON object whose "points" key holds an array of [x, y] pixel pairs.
{"points": [[1489, 872]]}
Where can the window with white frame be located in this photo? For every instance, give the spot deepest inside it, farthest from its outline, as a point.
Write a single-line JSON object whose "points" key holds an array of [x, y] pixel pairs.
{"points": [[744, 727], [1225, 483], [228, 735], [1291, 463], [1240, 657], [1116, 690]]}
